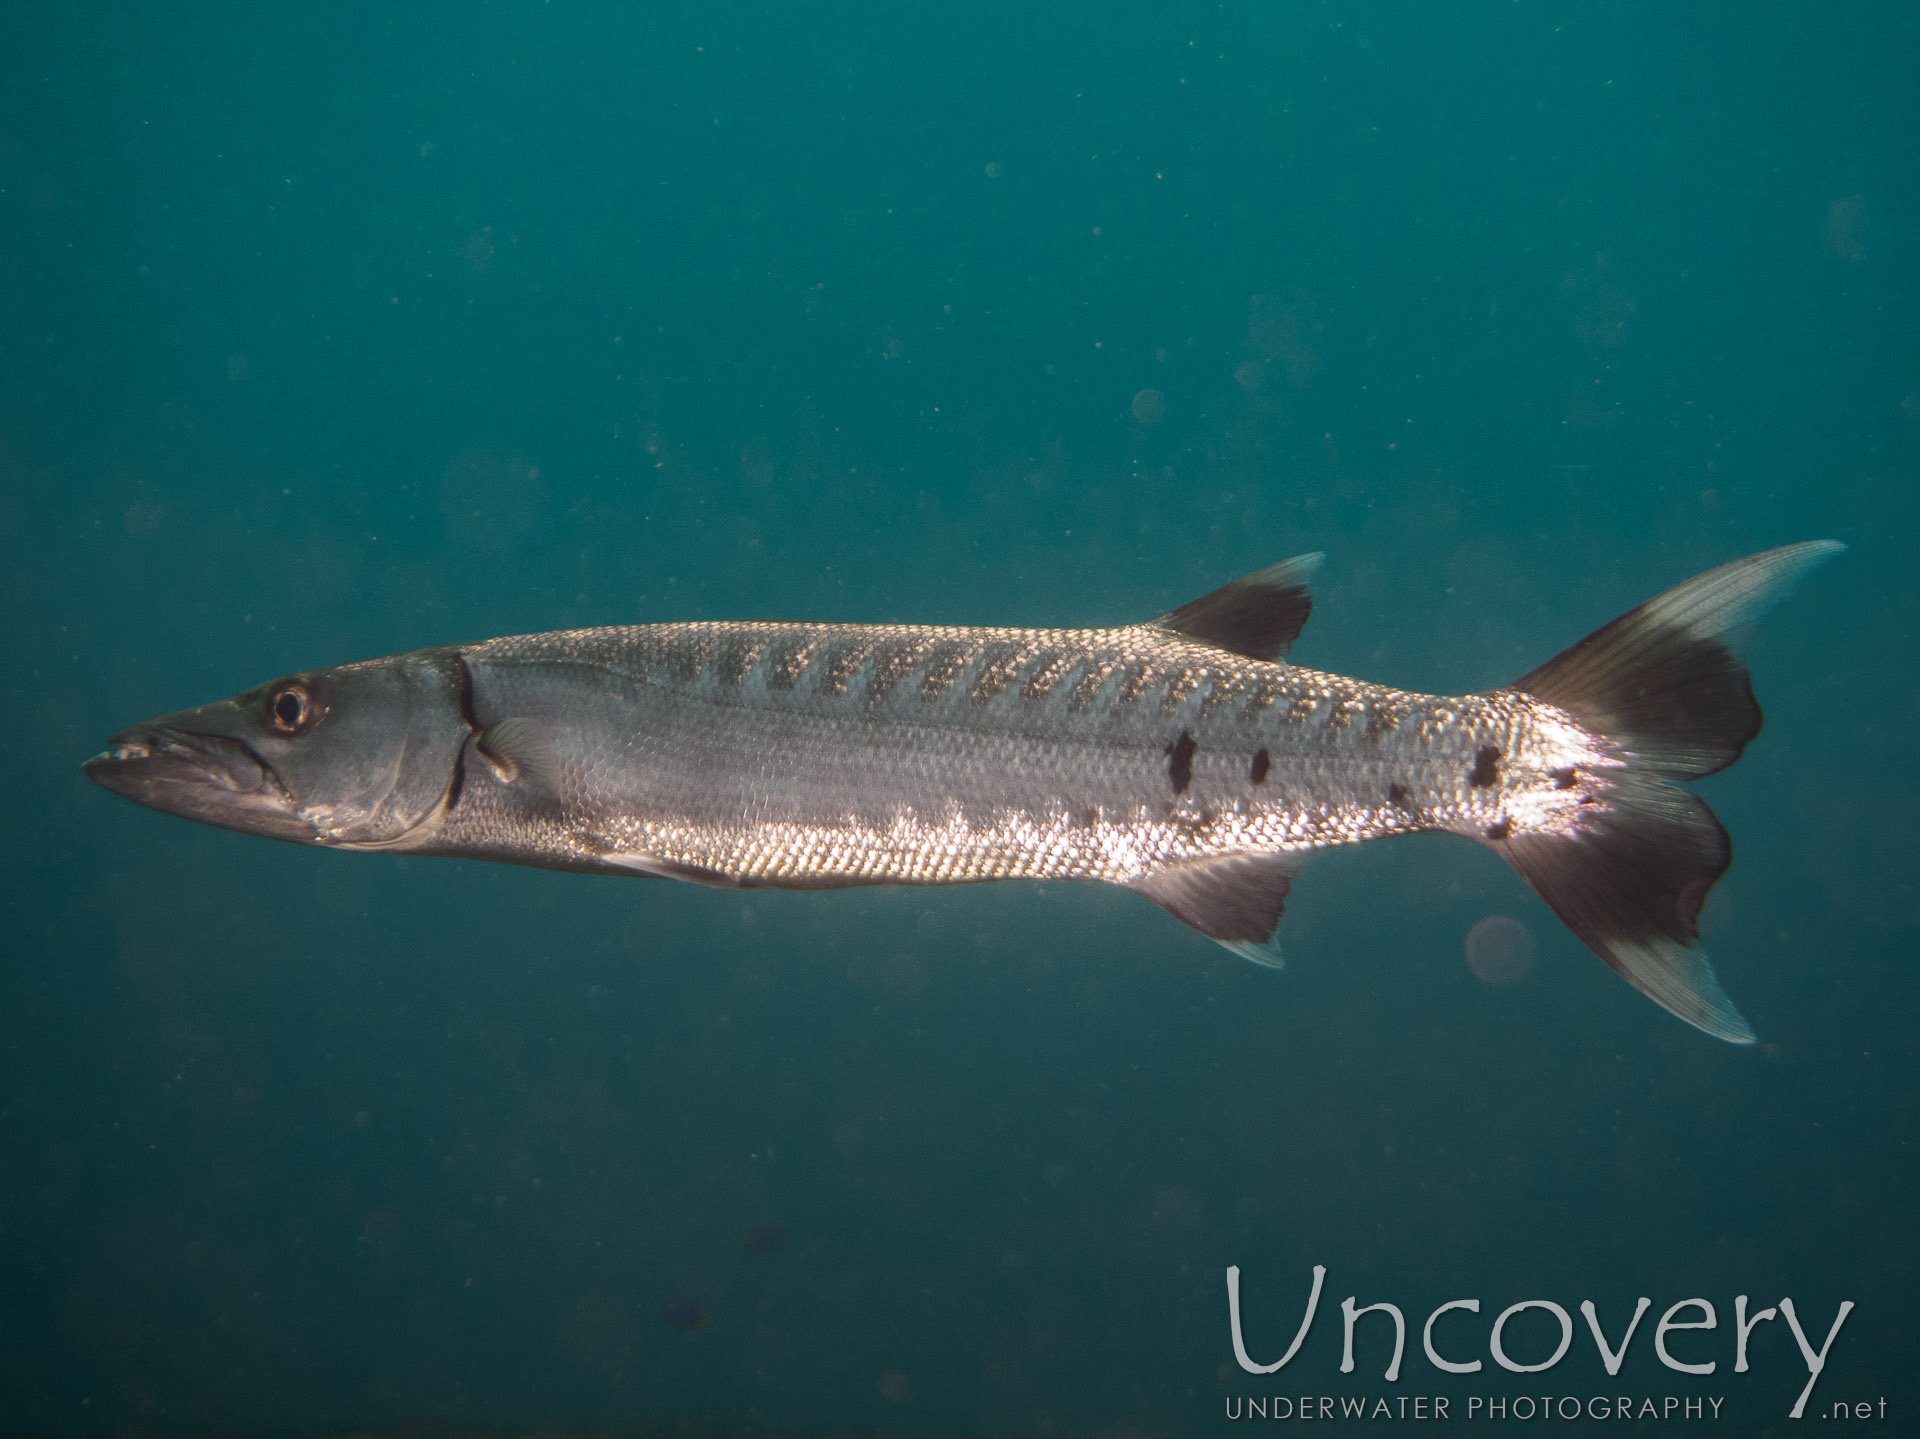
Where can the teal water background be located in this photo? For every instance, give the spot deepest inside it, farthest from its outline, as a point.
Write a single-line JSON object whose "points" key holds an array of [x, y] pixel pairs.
{"points": [[330, 332]]}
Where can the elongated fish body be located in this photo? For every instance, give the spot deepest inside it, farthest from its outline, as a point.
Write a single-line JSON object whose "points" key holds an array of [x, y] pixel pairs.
{"points": [[1182, 757], [823, 755]]}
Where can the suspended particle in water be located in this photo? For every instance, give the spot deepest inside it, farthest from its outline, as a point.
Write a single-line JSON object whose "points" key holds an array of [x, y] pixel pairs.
{"points": [[1500, 950], [1149, 406], [684, 1314], [1847, 229], [895, 1387], [765, 1238]]}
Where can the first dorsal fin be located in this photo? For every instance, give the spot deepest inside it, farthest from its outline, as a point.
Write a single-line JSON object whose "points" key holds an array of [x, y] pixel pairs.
{"points": [[1258, 615]]}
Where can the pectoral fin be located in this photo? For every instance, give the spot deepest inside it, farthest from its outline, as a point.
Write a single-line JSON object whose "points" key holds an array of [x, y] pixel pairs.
{"points": [[1236, 900], [521, 751]]}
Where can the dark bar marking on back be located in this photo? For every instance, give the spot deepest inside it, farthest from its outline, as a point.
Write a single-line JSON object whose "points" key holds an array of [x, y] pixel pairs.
{"points": [[1055, 667], [1091, 683], [685, 657], [1183, 684], [789, 661], [1340, 717], [893, 665], [844, 660], [1220, 694], [945, 667], [1135, 681], [735, 659], [1486, 767], [1180, 762], [1397, 794], [1380, 720], [1500, 828], [1265, 691], [1262, 763], [1002, 665], [1564, 778]]}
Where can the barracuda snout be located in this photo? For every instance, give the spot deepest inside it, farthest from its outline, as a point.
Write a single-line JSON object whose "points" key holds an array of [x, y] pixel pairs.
{"points": [[213, 778], [360, 756]]}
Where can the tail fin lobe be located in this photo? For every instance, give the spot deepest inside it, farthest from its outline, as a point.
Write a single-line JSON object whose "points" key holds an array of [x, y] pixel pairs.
{"points": [[1630, 881], [1663, 680]]}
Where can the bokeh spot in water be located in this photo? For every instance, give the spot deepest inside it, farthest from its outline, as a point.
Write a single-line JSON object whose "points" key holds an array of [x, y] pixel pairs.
{"points": [[684, 1314], [1847, 229], [1500, 950]]}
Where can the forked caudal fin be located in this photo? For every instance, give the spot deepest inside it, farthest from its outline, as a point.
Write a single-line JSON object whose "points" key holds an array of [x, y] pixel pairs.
{"points": [[1663, 685]]}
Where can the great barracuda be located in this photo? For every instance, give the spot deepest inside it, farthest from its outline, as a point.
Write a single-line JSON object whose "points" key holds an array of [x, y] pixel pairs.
{"points": [[1183, 758]]}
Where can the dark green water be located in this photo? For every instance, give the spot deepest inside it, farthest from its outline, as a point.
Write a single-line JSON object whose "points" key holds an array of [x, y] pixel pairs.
{"points": [[332, 332]]}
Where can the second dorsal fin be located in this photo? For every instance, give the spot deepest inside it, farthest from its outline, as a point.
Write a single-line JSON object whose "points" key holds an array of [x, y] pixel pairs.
{"points": [[1258, 615]]}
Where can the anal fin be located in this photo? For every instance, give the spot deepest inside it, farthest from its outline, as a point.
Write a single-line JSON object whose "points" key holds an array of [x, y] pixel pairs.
{"points": [[1235, 900]]}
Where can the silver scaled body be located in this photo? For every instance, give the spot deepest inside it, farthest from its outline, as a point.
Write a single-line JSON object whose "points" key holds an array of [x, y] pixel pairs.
{"points": [[819, 755]]}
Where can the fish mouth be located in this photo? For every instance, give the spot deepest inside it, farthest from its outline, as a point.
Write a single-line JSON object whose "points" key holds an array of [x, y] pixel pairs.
{"points": [[206, 777]]}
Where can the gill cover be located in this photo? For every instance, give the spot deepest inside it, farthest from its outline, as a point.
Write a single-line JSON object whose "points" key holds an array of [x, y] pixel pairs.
{"points": [[375, 765]]}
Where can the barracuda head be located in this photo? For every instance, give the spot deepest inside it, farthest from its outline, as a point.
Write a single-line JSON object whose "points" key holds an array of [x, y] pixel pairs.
{"points": [[363, 756]]}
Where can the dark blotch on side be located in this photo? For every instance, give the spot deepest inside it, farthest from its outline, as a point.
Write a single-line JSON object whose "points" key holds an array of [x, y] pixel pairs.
{"points": [[1486, 767], [1500, 828], [1180, 762], [1396, 794], [1564, 778], [1262, 763]]}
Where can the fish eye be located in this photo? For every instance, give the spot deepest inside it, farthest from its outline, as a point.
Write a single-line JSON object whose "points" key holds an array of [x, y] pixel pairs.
{"points": [[290, 707]]}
